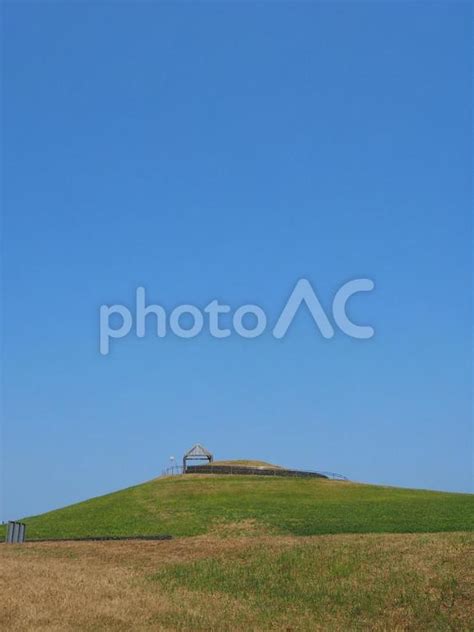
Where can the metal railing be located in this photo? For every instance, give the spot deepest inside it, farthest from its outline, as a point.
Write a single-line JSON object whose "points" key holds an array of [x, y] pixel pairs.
{"points": [[252, 471], [334, 476], [174, 470]]}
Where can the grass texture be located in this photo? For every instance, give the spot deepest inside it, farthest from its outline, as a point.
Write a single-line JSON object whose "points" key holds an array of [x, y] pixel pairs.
{"points": [[340, 583], [191, 505]]}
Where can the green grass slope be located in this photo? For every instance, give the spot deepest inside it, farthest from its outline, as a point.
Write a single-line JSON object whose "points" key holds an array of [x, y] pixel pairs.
{"points": [[196, 504]]}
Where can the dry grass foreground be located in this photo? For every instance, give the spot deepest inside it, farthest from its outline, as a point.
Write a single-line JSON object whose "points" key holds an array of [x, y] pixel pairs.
{"points": [[342, 582]]}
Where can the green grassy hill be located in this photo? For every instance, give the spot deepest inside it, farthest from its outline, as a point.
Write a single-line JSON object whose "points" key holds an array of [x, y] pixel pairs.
{"points": [[197, 504]]}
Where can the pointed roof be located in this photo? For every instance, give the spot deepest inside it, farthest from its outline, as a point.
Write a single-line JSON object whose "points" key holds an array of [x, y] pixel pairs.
{"points": [[198, 451]]}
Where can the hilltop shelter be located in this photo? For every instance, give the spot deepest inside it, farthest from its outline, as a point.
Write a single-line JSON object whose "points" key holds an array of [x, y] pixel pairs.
{"points": [[197, 453]]}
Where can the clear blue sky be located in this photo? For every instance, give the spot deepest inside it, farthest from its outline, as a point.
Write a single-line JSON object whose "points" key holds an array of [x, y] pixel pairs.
{"points": [[224, 151]]}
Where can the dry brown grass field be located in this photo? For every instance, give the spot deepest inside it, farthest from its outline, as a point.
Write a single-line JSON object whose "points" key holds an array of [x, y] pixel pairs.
{"points": [[244, 582]]}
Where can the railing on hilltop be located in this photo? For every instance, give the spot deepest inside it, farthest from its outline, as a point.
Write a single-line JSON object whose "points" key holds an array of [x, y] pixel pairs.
{"points": [[333, 476], [252, 471], [174, 470]]}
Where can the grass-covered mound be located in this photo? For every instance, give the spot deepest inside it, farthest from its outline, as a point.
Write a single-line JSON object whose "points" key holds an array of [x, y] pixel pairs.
{"points": [[197, 504]]}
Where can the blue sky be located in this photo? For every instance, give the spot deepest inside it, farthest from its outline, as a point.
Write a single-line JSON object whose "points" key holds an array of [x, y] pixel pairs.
{"points": [[225, 151]]}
